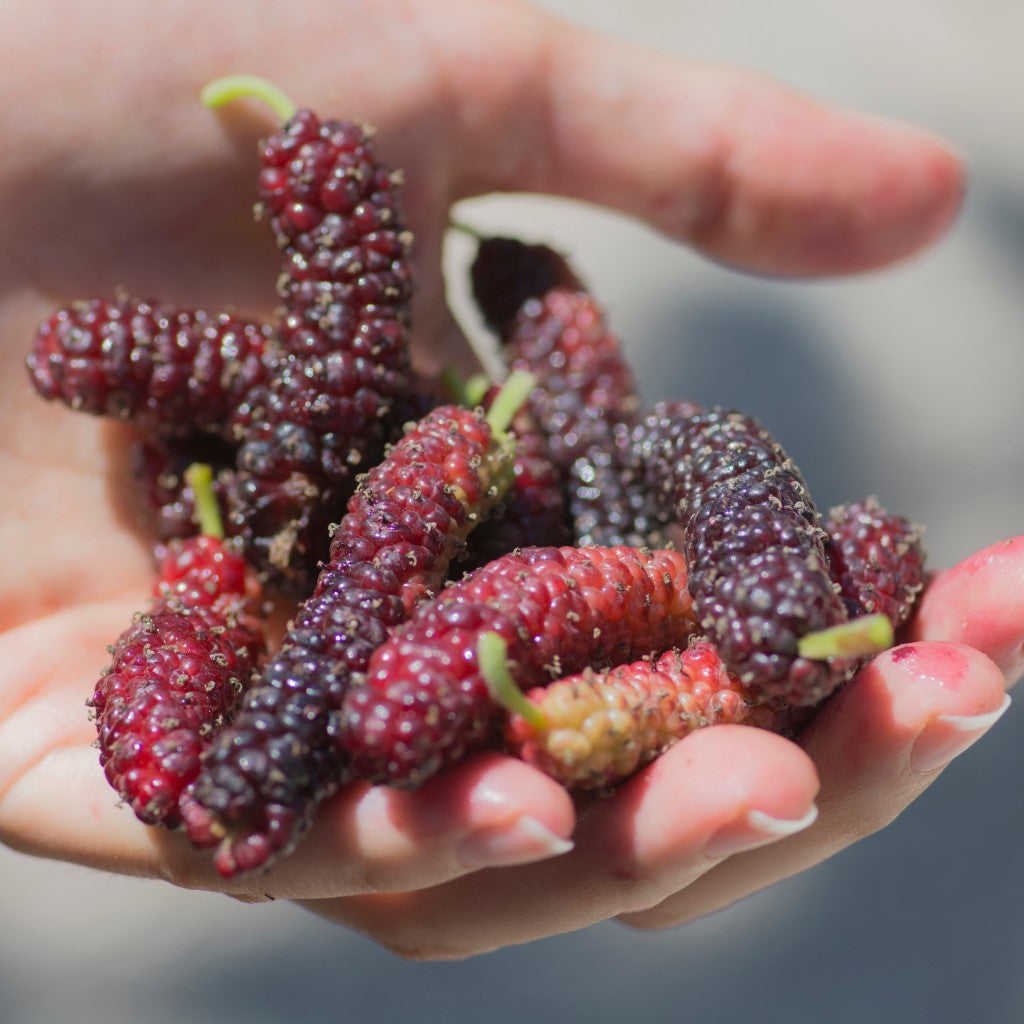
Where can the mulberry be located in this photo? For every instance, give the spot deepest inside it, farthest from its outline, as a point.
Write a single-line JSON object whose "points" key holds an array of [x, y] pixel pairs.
{"points": [[165, 369], [592, 730], [585, 398], [759, 574], [265, 775], [877, 558], [176, 674], [345, 287], [425, 703]]}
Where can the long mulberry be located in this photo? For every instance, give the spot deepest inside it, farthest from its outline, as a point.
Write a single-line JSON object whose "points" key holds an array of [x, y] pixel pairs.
{"points": [[266, 774], [425, 703], [584, 400], [592, 730], [550, 325], [164, 368], [759, 574], [176, 674], [346, 288]]}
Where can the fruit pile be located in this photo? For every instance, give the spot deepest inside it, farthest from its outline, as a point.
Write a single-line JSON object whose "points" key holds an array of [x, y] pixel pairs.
{"points": [[474, 565]]}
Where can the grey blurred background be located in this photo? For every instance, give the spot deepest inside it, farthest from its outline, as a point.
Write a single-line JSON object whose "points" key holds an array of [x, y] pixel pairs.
{"points": [[905, 383]]}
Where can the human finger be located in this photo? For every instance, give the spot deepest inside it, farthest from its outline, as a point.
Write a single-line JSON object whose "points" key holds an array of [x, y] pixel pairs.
{"points": [[979, 602], [54, 802], [877, 745], [716, 791], [751, 172]]}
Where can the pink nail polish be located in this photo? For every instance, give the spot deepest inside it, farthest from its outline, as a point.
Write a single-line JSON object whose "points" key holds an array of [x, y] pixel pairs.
{"points": [[519, 842], [950, 735], [753, 829]]}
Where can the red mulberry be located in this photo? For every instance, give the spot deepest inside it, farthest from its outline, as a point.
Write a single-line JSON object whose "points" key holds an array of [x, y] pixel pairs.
{"points": [[166, 369], [346, 287], [424, 703], [877, 558], [176, 675]]}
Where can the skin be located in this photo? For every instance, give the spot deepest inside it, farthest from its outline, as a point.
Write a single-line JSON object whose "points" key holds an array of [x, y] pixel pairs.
{"points": [[135, 185]]}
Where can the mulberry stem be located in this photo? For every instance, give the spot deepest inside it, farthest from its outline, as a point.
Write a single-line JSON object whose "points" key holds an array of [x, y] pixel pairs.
{"points": [[492, 653], [869, 634], [509, 399], [233, 87], [199, 476]]}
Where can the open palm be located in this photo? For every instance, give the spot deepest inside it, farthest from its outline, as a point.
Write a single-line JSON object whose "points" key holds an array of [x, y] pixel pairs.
{"points": [[115, 177]]}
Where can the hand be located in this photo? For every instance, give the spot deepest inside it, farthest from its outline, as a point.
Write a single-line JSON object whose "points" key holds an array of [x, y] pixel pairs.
{"points": [[679, 840], [131, 183]]}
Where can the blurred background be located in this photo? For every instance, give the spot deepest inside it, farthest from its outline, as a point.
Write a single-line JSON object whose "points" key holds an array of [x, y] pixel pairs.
{"points": [[904, 383]]}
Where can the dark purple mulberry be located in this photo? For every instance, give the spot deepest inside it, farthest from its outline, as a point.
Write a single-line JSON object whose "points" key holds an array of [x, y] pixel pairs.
{"points": [[425, 702], [877, 558], [346, 288], [585, 397], [506, 272], [759, 574], [548, 323], [266, 774]]}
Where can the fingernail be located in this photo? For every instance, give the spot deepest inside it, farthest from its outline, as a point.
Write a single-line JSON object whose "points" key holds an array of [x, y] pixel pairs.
{"points": [[753, 829], [950, 735], [520, 842]]}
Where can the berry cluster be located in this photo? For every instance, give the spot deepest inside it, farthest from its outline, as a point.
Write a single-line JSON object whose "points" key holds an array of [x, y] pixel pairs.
{"points": [[484, 573], [265, 774]]}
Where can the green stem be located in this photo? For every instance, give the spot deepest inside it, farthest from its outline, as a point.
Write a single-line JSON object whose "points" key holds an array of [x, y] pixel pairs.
{"points": [[199, 476], [492, 657], [869, 634], [510, 397], [475, 390], [233, 87], [469, 392]]}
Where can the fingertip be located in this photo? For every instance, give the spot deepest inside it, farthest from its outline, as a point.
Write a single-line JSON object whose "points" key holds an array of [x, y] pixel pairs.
{"points": [[979, 602], [867, 733], [717, 791], [501, 788], [948, 736], [927, 679], [820, 190]]}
